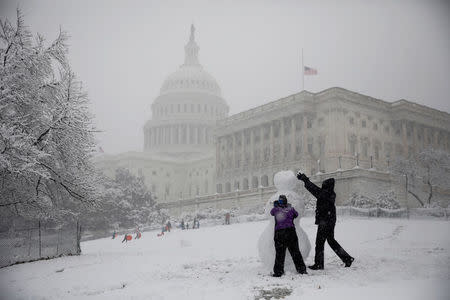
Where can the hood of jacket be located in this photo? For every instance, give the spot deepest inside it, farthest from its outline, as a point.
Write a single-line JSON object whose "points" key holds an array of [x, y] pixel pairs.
{"points": [[328, 184]]}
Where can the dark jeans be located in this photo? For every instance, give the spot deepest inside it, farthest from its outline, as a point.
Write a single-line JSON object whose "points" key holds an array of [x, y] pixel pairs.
{"points": [[325, 232], [287, 238]]}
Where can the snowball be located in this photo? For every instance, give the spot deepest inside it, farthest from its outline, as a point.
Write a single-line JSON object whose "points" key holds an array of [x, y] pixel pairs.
{"points": [[285, 181]]}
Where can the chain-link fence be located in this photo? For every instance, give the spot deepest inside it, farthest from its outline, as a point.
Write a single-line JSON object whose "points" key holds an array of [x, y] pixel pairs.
{"points": [[26, 240]]}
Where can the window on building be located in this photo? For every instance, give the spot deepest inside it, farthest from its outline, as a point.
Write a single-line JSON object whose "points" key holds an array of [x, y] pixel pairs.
{"points": [[352, 147], [309, 123], [363, 123], [310, 148], [375, 126], [245, 184], [265, 180], [321, 122], [352, 121], [365, 149], [236, 185]]}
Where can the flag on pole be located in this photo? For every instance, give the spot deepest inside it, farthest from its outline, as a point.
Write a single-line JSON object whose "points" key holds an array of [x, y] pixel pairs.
{"points": [[100, 149], [309, 71]]}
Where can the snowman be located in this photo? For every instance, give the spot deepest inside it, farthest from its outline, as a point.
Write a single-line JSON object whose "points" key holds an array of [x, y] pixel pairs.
{"points": [[285, 182]]}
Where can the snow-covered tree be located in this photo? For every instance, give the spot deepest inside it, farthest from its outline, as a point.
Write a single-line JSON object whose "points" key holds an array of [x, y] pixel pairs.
{"points": [[125, 202], [431, 166], [46, 130]]}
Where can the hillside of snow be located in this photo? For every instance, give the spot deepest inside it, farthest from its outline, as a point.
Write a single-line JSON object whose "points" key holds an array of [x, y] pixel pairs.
{"points": [[395, 259]]}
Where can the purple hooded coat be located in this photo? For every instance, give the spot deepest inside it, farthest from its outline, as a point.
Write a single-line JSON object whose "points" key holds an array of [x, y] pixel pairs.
{"points": [[284, 216]]}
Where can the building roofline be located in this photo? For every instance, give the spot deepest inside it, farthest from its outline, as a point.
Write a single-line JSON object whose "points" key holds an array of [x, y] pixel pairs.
{"points": [[316, 96]]}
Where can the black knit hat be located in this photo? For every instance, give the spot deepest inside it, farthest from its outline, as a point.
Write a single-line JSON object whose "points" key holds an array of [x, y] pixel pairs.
{"points": [[282, 200]]}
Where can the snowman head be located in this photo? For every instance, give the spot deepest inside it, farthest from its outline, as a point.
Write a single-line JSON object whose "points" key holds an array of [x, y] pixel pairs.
{"points": [[285, 180]]}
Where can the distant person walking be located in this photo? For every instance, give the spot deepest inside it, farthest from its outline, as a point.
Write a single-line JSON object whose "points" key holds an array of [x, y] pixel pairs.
{"points": [[227, 218], [182, 224], [326, 219], [285, 237], [138, 234]]}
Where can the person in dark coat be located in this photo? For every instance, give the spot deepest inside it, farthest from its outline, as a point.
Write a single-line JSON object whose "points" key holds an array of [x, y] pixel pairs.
{"points": [[326, 219], [286, 237]]}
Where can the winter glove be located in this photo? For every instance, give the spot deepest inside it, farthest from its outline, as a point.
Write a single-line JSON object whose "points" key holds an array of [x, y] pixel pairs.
{"points": [[276, 203], [301, 176]]}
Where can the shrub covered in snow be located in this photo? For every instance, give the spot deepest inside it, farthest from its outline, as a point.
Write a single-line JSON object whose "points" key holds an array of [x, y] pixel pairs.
{"points": [[384, 199], [387, 200]]}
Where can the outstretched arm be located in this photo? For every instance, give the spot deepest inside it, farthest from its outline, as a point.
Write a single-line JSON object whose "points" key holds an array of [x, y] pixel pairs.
{"points": [[311, 187]]}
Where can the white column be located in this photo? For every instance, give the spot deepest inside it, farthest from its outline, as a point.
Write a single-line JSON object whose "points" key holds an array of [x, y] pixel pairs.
{"points": [[305, 135], [293, 143], [282, 140], [188, 134], [404, 139], [271, 156], [252, 147]]}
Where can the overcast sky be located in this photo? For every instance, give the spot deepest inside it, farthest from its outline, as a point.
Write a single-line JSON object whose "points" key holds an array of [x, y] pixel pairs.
{"points": [[123, 51]]}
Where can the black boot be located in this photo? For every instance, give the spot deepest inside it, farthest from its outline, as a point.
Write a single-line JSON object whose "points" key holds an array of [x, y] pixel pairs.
{"points": [[316, 267], [277, 274], [349, 262], [302, 271]]}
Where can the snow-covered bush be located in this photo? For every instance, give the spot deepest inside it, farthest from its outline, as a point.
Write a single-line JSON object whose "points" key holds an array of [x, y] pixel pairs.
{"points": [[361, 201], [383, 199], [387, 200]]}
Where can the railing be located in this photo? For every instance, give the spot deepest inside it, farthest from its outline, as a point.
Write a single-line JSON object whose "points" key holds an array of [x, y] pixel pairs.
{"points": [[33, 240]]}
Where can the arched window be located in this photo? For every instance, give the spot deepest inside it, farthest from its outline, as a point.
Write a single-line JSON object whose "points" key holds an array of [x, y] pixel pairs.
{"points": [[206, 187], [265, 180], [227, 187], [219, 188], [245, 184], [254, 182]]}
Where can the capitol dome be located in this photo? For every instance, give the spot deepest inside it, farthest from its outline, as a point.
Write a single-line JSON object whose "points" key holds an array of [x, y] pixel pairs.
{"points": [[191, 77], [185, 113]]}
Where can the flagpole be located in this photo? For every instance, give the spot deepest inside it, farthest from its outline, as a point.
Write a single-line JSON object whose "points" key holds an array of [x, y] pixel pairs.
{"points": [[303, 73]]}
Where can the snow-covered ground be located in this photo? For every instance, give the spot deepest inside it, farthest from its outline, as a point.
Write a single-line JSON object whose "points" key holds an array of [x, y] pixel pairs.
{"points": [[395, 259]]}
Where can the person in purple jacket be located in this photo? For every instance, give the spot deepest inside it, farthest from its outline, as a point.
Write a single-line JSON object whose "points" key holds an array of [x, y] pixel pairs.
{"points": [[285, 237]]}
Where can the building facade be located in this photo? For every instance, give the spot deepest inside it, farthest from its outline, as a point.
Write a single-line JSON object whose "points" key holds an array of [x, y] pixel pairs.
{"points": [[196, 156], [335, 129]]}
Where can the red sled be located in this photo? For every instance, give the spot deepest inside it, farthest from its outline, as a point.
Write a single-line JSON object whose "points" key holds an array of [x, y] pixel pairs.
{"points": [[128, 237]]}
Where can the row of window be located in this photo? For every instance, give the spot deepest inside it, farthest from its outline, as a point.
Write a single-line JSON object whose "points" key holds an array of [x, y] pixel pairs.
{"points": [[177, 135], [246, 184], [160, 110]]}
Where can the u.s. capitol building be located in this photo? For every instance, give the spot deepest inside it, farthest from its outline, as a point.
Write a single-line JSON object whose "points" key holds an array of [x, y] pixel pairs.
{"points": [[195, 155]]}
